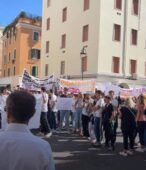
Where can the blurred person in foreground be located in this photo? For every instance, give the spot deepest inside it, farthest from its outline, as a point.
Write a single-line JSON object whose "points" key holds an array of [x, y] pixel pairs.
{"points": [[20, 149]]}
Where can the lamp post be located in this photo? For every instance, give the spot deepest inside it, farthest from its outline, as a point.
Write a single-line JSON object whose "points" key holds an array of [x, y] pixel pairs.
{"points": [[82, 54]]}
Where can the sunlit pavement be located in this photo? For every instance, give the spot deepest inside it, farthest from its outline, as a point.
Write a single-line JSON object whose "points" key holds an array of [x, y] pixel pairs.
{"points": [[75, 153]]}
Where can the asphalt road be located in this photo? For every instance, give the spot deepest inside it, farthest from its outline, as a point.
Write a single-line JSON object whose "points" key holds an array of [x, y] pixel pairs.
{"points": [[72, 152]]}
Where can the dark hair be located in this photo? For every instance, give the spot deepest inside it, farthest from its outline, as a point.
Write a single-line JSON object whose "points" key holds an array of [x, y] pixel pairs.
{"points": [[111, 91], [51, 91], [98, 92], [43, 89], [21, 105], [108, 97]]}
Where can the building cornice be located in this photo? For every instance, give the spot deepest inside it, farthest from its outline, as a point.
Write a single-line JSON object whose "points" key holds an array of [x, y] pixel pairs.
{"points": [[29, 26]]}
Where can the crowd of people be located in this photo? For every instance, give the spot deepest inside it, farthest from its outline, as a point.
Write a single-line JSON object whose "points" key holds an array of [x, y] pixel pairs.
{"points": [[94, 116]]}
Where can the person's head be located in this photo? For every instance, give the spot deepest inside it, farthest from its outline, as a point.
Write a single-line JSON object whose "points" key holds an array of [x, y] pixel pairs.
{"points": [[4, 91], [111, 93], [127, 102], [98, 94], [51, 91], [107, 99], [43, 89], [20, 106], [80, 95], [140, 99], [65, 90]]}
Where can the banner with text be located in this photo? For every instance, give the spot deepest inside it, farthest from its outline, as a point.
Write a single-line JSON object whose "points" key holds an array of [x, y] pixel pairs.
{"points": [[32, 83], [83, 86]]}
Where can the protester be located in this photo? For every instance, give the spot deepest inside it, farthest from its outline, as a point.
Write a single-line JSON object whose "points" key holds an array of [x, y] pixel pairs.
{"points": [[107, 119], [78, 107], [141, 121], [20, 150], [86, 115], [97, 116], [128, 126], [64, 114], [45, 129], [53, 112], [73, 109]]}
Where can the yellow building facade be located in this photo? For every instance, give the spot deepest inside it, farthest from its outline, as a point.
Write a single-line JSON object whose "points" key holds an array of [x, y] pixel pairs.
{"points": [[1, 46], [21, 48]]}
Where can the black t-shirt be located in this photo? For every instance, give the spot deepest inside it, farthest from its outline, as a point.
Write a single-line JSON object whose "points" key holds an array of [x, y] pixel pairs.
{"points": [[127, 118], [107, 113]]}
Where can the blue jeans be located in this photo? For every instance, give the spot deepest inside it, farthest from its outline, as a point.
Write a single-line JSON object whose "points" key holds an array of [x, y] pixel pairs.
{"points": [[97, 128], [64, 114], [52, 119], [78, 114]]}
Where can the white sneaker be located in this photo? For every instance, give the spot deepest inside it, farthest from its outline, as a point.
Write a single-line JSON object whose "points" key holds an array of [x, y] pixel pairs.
{"points": [[40, 134], [123, 153], [48, 135], [139, 150], [129, 152]]}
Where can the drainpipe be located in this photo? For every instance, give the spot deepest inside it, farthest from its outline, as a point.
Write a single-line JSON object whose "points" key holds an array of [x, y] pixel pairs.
{"points": [[124, 43]]}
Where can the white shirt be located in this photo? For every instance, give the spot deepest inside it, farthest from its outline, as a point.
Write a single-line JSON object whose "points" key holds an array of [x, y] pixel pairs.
{"points": [[100, 103], [45, 105], [53, 102], [115, 102], [21, 150]]}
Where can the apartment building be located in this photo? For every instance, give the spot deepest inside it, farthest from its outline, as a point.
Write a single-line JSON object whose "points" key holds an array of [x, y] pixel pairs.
{"points": [[21, 48], [103, 39], [1, 45]]}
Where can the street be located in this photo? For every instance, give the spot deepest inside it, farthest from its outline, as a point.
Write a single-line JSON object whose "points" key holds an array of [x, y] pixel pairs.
{"points": [[74, 153]]}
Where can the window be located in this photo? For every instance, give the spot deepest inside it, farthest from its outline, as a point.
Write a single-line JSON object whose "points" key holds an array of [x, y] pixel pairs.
{"points": [[135, 7], [63, 41], [62, 68], [35, 54], [35, 36], [86, 4], [64, 14], [9, 57], [116, 64], [8, 71], [5, 59], [14, 57], [34, 71], [47, 46], [117, 32], [14, 71], [118, 4], [48, 3], [133, 65], [134, 37], [46, 69], [84, 64], [145, 69], [4, 73], [48, 23], [85, 33]]}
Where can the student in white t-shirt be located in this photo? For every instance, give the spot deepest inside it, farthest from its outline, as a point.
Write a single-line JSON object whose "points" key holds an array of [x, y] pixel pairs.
{"points": [[97, 115], [44, 120], [52, 114]]}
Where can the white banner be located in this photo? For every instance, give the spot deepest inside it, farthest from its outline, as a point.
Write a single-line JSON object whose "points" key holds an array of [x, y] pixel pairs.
{"points": [[64, 103], [32, 83]]}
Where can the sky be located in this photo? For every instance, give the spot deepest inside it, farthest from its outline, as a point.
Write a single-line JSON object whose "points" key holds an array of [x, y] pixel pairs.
{"points": [[9, 9]]}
